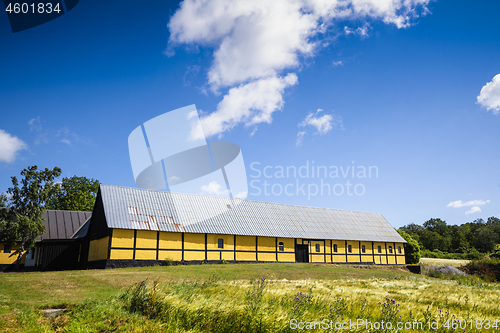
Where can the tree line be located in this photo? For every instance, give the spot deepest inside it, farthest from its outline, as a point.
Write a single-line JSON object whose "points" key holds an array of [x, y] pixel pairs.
{"points": [[25, 202], [477, 236]]}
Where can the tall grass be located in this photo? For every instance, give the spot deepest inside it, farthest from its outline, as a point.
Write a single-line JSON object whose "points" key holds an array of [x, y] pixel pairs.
{"points": [[272, 306]]}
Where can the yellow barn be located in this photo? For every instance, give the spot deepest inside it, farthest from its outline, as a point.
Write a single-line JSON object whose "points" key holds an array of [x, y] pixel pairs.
{"points": [[136, 227]]}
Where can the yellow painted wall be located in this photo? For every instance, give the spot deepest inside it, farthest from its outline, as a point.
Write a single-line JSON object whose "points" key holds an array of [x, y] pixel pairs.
{"points": [[382, 247], [195, 255], [354, 247], [391, 260], [194, 242], [402, 248], [288, 245], [340, 246], [121, 254], [366, 258], [246, 243], [173, 255], [98, 249], [146, 239], [290, 257], [145, 254], [214, 255], [267, 256], [353, 258], [267, 244], [368, 248], [390, 249], [171, 240], [5, 258], [245, 256], [317, 258], [212, 242], [228, 255], [380, 258], [122, 238], [312, 247], [339, 258]]}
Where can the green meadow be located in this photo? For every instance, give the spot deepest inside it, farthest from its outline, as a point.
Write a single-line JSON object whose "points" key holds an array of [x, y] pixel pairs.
{"points": [[247, 298]]}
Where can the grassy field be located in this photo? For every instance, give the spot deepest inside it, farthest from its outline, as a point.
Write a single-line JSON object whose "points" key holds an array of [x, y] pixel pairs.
{"points": [[443, 262], [238, 298]]}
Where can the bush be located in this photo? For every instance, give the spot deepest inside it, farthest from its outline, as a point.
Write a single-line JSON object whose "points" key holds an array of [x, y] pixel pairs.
{"points": [[412, 249], [473, 254], [496, 252], [486, 269]]}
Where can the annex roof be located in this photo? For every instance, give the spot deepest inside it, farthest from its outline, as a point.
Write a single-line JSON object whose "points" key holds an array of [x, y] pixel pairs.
{"points": [[62, 224], [132, 208]]}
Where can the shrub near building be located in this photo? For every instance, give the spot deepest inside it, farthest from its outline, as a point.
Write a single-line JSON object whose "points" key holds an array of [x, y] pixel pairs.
{"points": [[412, 249]]}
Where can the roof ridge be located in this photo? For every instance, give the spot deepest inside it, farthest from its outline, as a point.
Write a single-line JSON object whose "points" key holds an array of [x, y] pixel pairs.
{"points": [[266, 202]]}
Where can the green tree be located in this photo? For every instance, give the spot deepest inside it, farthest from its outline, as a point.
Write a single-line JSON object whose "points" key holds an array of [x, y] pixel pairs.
{"points": [[75, 193], [486, 239], [496, 252], [23, 222], [412, 249], [459, 242], [4, 201], [436, 235]]}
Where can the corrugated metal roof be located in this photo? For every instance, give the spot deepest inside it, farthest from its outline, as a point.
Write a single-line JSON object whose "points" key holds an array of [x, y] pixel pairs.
{"points": [[62, 224], [131, 208]]}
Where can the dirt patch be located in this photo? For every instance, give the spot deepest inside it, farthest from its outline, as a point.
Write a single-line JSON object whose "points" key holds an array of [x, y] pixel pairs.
{"points": [[8, 322]]}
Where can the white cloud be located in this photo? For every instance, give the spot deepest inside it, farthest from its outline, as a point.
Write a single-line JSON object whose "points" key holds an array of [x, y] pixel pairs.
{"points": [[173, 178], [338, 63], [241, 195], [489, 97], [460, 203], [474, 209], [69, 137], [250, 103], [300, 138], [321, 124], [214, 188], [35, 124], [66, 141], [360, 31], [10, 146], [257, 43]]}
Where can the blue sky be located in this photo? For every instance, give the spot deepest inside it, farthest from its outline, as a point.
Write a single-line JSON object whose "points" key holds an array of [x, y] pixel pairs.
{"points": [[398, 88]]}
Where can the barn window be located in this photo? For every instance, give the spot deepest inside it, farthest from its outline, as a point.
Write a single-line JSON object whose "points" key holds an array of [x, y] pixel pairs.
{"points": [[379, 249], [317, 247], [6, 248], [334, 247], [399, 249], [349, 248], [390, 249], [220, 243], [363, 249], [281, 246]]}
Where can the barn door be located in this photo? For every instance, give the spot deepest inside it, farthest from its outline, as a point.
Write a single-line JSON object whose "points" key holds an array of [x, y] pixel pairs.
{"points": [[301, 253]]}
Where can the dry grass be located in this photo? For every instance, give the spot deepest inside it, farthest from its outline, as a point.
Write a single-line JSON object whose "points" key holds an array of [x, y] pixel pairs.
{"points": [[93, 304], [443, 262]]}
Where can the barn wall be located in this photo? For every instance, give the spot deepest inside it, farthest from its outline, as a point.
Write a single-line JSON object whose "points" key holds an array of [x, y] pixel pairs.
{"points": [[98, 249], [129, 244]]}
